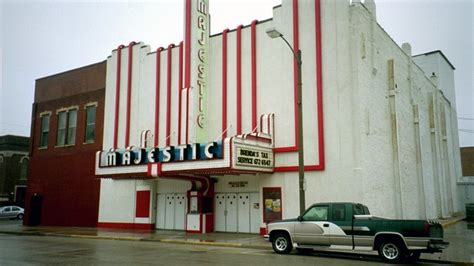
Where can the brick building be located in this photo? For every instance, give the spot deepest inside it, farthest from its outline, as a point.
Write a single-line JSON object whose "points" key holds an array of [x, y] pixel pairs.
{"points": [[66, 132]]}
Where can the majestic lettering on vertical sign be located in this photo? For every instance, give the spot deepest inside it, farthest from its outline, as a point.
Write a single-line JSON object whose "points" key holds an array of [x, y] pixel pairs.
{"points": [[202, 44]]}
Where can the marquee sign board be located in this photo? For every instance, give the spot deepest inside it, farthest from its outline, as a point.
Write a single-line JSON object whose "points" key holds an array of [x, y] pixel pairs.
{"points": [[250, 157]]}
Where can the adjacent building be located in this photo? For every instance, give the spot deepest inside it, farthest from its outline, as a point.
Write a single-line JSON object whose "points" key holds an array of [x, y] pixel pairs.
{"points": [[13, 169], [66, 131]]}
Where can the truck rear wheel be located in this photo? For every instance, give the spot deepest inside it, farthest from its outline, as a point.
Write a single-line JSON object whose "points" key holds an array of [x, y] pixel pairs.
{"points": [[391, 251], [281, 243]]}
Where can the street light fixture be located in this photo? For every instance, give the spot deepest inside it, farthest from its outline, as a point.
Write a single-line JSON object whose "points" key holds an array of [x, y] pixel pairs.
{"points": [[274, 33]]}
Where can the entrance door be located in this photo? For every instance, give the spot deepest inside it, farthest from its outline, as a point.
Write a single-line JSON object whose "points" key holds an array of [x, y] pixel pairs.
{"points": [[244, 213], [231, 212], [161, 210], [255, 212], [237, 212], [179, 211], [169, 212], [219, 200], [36, 204]]}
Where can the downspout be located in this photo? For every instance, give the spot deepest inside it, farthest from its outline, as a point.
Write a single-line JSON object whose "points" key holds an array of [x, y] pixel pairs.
{"points": [[406, 47], [395, 147]]}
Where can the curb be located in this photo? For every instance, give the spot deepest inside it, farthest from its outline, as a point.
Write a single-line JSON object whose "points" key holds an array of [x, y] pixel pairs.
{"points": [[200, 242]]}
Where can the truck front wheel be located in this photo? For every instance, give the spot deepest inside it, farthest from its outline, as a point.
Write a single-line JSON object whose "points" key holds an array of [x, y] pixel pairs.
{"points": [[391, 251], [282, 243]]}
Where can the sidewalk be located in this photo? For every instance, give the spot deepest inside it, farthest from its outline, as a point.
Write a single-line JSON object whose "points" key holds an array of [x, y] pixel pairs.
{"points": [[459, 234]]}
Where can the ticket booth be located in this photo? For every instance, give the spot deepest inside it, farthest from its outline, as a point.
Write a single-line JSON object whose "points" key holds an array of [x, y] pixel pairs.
{"points": [[200, 218]]}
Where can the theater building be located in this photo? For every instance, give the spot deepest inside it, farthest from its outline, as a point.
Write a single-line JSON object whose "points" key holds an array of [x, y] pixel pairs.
{"points": [[202, 135]]}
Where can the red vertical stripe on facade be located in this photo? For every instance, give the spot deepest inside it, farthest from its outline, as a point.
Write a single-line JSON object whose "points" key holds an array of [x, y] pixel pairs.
{"points": [[180, 87], [239, 80], [117, 94], [224, 83], [253, 29], [319, 85], [129, 93], [168, 96], [157, 95], [296, 47], [187, 45]]}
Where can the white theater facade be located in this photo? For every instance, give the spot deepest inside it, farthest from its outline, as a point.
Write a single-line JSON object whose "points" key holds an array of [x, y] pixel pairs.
{"points": [[202, 135]]}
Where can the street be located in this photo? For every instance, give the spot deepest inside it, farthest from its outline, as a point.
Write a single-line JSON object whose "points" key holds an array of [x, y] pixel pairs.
{"points": [[16, 250]]}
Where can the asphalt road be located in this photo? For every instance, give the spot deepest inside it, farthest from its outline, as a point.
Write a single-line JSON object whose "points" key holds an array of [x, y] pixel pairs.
{"points": [[34, 250]]}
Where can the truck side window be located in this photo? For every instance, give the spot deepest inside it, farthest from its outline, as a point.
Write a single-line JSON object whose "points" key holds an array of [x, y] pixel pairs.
{"points": [[317, 213], [339, 212], [366, 210], [358, 209]]}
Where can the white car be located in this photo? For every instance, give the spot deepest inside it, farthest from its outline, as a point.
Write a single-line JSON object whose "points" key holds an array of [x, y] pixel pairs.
{"points": [[12, 212]]}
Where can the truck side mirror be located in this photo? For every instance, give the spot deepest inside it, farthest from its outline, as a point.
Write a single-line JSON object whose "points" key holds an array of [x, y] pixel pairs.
{"points": [[300, 218]]}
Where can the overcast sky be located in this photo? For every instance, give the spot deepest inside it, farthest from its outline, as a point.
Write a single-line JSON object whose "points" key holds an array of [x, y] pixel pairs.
{"points": [[41, 38]]}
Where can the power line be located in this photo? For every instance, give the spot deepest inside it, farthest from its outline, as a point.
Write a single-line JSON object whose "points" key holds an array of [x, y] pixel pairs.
{"points": [[466, 130], [465, 118]]}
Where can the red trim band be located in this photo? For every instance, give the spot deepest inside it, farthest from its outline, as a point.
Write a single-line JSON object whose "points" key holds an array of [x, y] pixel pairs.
{"points": [[224, 83], [239, 79], [129, 93], [319, 85], [117, 94], [254, 73], [187, 45], [168, 96], [157, 95], [180, 87]]}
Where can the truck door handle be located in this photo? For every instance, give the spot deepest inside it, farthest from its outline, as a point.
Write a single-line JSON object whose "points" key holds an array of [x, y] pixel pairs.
{"points": [[326, 225]]}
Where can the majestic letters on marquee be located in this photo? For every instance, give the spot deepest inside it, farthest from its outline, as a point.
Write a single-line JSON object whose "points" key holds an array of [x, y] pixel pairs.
{"points": [[188, 152]]}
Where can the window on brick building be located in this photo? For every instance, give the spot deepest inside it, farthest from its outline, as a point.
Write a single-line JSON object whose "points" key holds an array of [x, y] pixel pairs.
{"points": [[62, 121], [67, 123], [90, 123], [44, 130], [72, 124]]}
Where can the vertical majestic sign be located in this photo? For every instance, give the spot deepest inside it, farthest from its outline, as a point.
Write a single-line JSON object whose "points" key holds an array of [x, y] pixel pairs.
{"points": [[196, 67]]}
